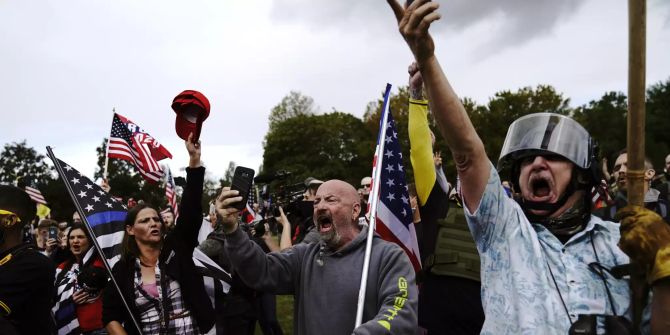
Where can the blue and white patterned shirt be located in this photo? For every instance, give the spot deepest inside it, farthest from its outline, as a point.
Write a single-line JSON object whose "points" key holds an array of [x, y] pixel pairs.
{"points": [[518, 293]]}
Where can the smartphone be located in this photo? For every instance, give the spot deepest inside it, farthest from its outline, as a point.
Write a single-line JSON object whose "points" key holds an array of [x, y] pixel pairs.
{"points": [[242, 180], [53, 233]]}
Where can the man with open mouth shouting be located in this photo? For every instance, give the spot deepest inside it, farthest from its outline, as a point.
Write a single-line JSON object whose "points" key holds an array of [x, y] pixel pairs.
{"points": [[325, 276], [542, 258]]}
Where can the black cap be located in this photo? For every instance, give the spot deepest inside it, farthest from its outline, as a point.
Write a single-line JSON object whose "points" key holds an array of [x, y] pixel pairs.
{"points": [[17, 201]]}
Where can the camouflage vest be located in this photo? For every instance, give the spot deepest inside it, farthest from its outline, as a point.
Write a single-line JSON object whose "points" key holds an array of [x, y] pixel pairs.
{"points": [[455, 251]]}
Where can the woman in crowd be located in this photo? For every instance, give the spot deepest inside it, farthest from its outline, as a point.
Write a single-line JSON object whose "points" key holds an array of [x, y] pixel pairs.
{"points": [[156, 274], [80, 280]]}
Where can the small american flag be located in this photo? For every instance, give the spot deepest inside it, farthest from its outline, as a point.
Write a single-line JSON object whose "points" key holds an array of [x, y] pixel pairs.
{"points": [[35, 194], [129, 142], [394, 214], [171, 192]]}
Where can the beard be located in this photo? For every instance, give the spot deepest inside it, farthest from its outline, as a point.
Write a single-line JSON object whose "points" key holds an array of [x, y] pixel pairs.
{"points": [[332, 238]]}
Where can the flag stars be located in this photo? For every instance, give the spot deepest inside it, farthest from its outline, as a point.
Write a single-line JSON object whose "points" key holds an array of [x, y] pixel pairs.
{"points": [[404, 212], [68, 168], [89, 186], [389, 168], [96, 199], [390, 182], [395, 134], [400, 168], [110, 205], [391, 197], [75, 180], [89, 207], [404, 199], [389, 154], [82, 194], [101, 192], [388, 139]]}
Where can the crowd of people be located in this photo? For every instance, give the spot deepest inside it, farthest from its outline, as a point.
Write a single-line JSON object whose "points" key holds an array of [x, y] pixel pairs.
{"points": [[518, 248]]}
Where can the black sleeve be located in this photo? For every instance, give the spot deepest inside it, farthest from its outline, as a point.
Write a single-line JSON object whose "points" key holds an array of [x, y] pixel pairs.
{"points": [[436, 208], [190, 209], [112, 305]]}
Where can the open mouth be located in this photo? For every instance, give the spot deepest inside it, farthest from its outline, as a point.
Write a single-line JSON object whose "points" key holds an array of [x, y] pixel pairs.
{"points": [[541, 189], [155, 232], [325, 223]]}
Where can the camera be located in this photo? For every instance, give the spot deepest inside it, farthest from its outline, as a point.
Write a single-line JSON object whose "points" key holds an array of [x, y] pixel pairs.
{"points": [[92, 280]]}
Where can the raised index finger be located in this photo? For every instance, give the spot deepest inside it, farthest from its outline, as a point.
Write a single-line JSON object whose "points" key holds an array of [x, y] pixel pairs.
{"points": [[397, 9]]}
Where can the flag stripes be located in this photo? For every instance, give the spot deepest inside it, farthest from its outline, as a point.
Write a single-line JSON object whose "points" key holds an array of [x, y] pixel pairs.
{"points": [[35, 195]]}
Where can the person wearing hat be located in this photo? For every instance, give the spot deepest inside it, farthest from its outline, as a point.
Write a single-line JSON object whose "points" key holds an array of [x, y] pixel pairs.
{"points": [[542, 256], [26, 275]]}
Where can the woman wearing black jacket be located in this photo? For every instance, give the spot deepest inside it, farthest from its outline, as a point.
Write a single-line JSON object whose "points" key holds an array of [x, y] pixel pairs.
{"points": [[157, 275]]}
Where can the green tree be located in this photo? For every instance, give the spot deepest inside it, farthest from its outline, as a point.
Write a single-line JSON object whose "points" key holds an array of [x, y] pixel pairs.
{"points": [[292, 105], [658, 123], [605, 120], [333, 145], [20, 160]]}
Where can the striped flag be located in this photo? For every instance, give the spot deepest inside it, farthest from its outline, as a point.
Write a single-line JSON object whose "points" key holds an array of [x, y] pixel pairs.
{"points": [[394, 214], [105, 215], [29, 186], [171, 192], [129, 142], [65, 309]]}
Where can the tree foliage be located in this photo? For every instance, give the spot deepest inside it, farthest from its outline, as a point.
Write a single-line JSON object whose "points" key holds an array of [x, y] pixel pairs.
{"points": [[292, 105], [658, 123], [20, 160], [605, 120], [329, 146]]}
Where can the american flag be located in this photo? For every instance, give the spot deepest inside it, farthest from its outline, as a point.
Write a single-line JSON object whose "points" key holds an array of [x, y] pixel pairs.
{"points": [[33, 191], [394, 214], [130, 142], [171, 192], [105, 215]]}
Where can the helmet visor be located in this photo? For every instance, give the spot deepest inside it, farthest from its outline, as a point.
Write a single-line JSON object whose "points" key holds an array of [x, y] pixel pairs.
{"points": [[546, 133]]}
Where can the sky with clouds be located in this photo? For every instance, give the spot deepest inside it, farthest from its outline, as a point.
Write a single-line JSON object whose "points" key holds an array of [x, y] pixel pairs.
{"points": [[66, 63]]}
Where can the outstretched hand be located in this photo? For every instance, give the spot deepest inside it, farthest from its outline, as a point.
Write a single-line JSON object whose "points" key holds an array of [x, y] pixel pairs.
{"points": [[228, 214], [413, 23], [193, 151]]}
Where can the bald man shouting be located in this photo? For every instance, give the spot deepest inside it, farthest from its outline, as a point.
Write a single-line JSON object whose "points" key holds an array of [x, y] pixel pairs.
{"points": [[324, 277]]}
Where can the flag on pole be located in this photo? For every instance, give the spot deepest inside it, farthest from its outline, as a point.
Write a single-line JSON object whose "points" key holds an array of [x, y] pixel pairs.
{"points": [[129, 142], [171, 192], [105, 215], [394, 213]]}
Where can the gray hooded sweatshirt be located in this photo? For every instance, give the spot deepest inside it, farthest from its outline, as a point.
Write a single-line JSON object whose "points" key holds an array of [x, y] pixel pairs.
{"points": [[326, 284]]}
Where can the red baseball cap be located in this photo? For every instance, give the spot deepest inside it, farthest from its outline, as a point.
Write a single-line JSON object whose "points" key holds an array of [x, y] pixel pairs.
{"points": [[192, 108]]}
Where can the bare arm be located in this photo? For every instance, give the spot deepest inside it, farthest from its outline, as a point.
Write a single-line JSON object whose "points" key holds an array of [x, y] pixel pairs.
{"points": [[467, 148], [115, 328]]}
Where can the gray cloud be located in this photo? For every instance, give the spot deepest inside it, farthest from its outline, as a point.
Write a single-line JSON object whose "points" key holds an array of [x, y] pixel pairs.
{"points": [[516, 21]]}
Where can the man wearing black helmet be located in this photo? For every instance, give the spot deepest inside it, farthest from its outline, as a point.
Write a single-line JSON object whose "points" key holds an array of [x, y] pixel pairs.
{"points": [[542, 258], [26, 276]]}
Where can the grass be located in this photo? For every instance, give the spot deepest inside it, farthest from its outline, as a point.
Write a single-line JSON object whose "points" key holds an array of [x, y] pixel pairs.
{"points": [[284, 315]]}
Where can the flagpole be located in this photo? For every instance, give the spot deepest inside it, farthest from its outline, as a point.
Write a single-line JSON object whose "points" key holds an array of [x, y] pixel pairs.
{"points": [[374, 200], [82, 214], [104, 174]]}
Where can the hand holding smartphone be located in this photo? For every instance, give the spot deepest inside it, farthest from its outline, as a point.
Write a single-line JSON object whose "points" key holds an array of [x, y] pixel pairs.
{"points": [[242, 180], [53, 233]]}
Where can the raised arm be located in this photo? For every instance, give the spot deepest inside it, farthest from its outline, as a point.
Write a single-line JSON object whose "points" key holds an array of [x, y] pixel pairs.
{"points": [[467, 148], [190, 211]]}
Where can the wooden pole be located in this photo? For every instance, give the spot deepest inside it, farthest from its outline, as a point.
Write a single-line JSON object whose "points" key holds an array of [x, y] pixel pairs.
{"points": [[636, 100], [637, 22]]}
